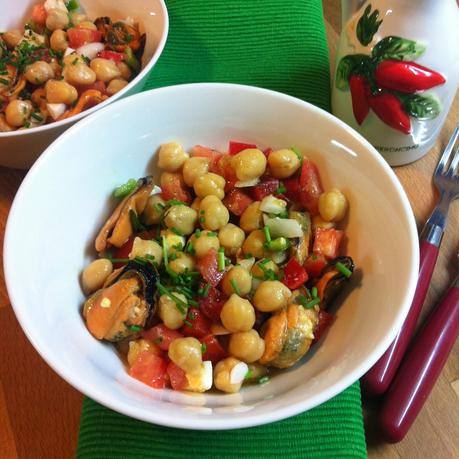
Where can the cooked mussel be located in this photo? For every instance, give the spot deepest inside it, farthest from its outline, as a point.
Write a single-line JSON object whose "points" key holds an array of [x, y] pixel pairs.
{"points": [[288, 334], [300, 247], [118, 228], [332, 280], [124, 306]]}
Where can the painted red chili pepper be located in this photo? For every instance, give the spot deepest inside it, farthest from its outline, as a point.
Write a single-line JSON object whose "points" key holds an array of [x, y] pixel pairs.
{"points": [[359, 92], [389, 109], [406, 76]]}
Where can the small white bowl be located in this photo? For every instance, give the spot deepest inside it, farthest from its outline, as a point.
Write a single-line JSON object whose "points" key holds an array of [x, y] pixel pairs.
{"points": [[19, 149], [65, 198]]}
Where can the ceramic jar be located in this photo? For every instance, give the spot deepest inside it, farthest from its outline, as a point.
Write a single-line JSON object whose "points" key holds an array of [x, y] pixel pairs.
{"points": [[397, 72]]}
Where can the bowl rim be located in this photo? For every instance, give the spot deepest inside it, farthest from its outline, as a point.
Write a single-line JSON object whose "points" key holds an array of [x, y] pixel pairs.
{"points": [[114, 98], [208, 422]]}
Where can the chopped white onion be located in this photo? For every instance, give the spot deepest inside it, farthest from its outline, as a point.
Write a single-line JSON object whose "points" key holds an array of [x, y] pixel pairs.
{"points": [[285, 227], [279, 257], [238, 373], [90, 50], [128, 21], [56, 110], [69, 51], [57, 4], [272, 205], [246, 263], [246, 183]]}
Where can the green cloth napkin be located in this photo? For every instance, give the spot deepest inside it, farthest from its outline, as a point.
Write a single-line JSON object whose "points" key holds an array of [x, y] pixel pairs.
{"points": [[282, 46]]}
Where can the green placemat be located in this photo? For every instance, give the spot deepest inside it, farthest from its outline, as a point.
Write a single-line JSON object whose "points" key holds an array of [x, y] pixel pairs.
{"points": [[277, 45]]}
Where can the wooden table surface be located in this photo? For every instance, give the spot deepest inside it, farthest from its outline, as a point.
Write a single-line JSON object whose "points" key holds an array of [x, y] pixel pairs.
{"points": [[39, 412]]}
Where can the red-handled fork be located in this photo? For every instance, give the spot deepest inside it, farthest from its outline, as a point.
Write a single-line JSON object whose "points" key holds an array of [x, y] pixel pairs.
{"points": [[378, 379]]}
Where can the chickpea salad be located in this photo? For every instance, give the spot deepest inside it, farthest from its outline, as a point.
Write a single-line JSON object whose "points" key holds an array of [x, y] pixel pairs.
{"points": [[225, 274], [62, 63]]}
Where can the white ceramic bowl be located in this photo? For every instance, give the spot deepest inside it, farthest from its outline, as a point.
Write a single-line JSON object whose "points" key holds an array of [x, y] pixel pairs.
{"points": [[66, 197], [19, 149]]}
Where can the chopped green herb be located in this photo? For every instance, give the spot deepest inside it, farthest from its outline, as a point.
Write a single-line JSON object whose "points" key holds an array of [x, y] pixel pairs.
{"points": [[249, 374], [203, 348], [263, 380], [134, 328], [158, 340], [221, 259], [178, 246], [135, 222], [72, 5], [202, 219], [182, 306], [278, 244], [281, 188], [189, 248], [177, 231], [125, 189], [211, 234], [173, 256], [188, 324], [4, 81], [298, 154], [314, 292], [343, 269], [235, 287], [175, 202], [192, 315], [204, 291], [119, 260], [312, 303], [36, 117], [159, 207], [75, 61], [267, 235]]}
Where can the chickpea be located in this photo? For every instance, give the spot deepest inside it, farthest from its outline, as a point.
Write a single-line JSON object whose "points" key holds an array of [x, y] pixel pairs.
{"points": [[237, 278], [186, 353], [153, 211], [237, 314], [222, 375], [142, 247], [182, 218], [4, 126], [137, 346], [58, 40], [183, 263], [204, 243], [174, 242], [252, 218], [283, 163], [106, 70], [231, 237], [258, 269], [213, 215], [12, 38], [126, 72], [210, 184], [249, 164], [95, 275], [60, 92], [73, 59], [18, 112], [271, 296], [57, 19], [194, 168], [79, 74], [254, 244], [196, 204], [171, 157], [319, 222], [77, 18], [168, 312], [86, 25], [39, 72], [247, 346], [116, 85], [332, 205]]}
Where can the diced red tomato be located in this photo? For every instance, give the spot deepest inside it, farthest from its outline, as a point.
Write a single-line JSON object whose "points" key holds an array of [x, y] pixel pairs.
{"points": [[161, 336], [123, 251], [208, 267], [222, 166], [314, 265], [327, 241], [237, 201], [265, 188], [79, 37], [236, 147], [177, 376], [294, 274], [175, 188], [150, 369], [212, 304], [39, 14], [214, 350], [98, 86], [198, 325], [310, 188], [325, 320], [111, 55], [292, 187]]}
